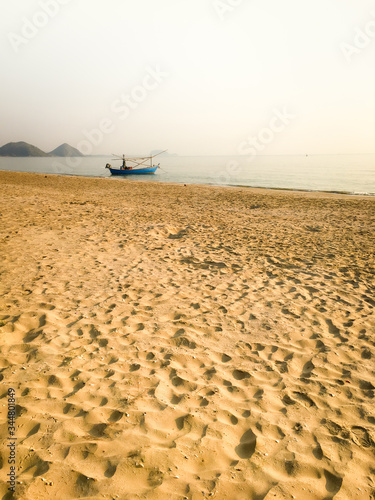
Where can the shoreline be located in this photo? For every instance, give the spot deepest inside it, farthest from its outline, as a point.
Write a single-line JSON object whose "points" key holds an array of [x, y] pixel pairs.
{"points": [[255, 188]]}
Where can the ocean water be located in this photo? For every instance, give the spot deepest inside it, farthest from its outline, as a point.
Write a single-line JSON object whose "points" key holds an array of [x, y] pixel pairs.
{"points": [[353, 174]]}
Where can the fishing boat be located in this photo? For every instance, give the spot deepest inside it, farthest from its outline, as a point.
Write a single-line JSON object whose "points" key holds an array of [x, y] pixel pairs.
{"points": [[131, 171], [136, 165]]}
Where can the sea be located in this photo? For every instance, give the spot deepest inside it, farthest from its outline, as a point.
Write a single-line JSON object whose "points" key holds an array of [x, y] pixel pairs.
{"points": [[352, 174]]}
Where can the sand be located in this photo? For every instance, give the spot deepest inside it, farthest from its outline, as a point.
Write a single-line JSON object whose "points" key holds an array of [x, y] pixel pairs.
{"points": [[186, 342]]}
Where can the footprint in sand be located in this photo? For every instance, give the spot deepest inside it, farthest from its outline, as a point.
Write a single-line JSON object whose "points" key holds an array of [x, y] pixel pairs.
{"points": [[333, 483], [240, 375], [111, 470], [33, 431], [42, 468], [307, 369], [233, 420], [361, 437], [54, 381], [247, 445], [180, 422], [116, 416], [367, 388], [304, 398], [134, 367], [317, 451], [155, 478], [98, 430], [366, 354], [85, 486]]}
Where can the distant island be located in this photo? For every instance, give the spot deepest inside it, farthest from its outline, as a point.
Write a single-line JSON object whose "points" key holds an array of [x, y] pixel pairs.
{"points": [[65, 150], [23, 149]]}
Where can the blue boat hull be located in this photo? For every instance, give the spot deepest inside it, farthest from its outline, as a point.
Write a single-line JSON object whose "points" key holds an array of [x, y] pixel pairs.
{"points": [[135, 171]]}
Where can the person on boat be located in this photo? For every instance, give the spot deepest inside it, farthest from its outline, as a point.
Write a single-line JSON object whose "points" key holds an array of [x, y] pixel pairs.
{"points": [[124, 166]]}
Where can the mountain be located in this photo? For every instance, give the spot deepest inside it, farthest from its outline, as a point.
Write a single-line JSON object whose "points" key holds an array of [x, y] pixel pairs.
{"points": [[24, 149], [21, 149], [65, 150]]}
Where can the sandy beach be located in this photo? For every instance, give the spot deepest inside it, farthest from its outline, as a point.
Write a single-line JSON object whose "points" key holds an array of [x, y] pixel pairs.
{"points": [[186, 342]]}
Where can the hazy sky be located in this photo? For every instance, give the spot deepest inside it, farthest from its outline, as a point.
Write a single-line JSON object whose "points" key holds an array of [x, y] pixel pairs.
{"points": [[194, 76]]}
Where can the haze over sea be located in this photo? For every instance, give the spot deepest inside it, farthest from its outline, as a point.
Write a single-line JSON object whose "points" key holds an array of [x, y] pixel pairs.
{"points": [[353, 174]]}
